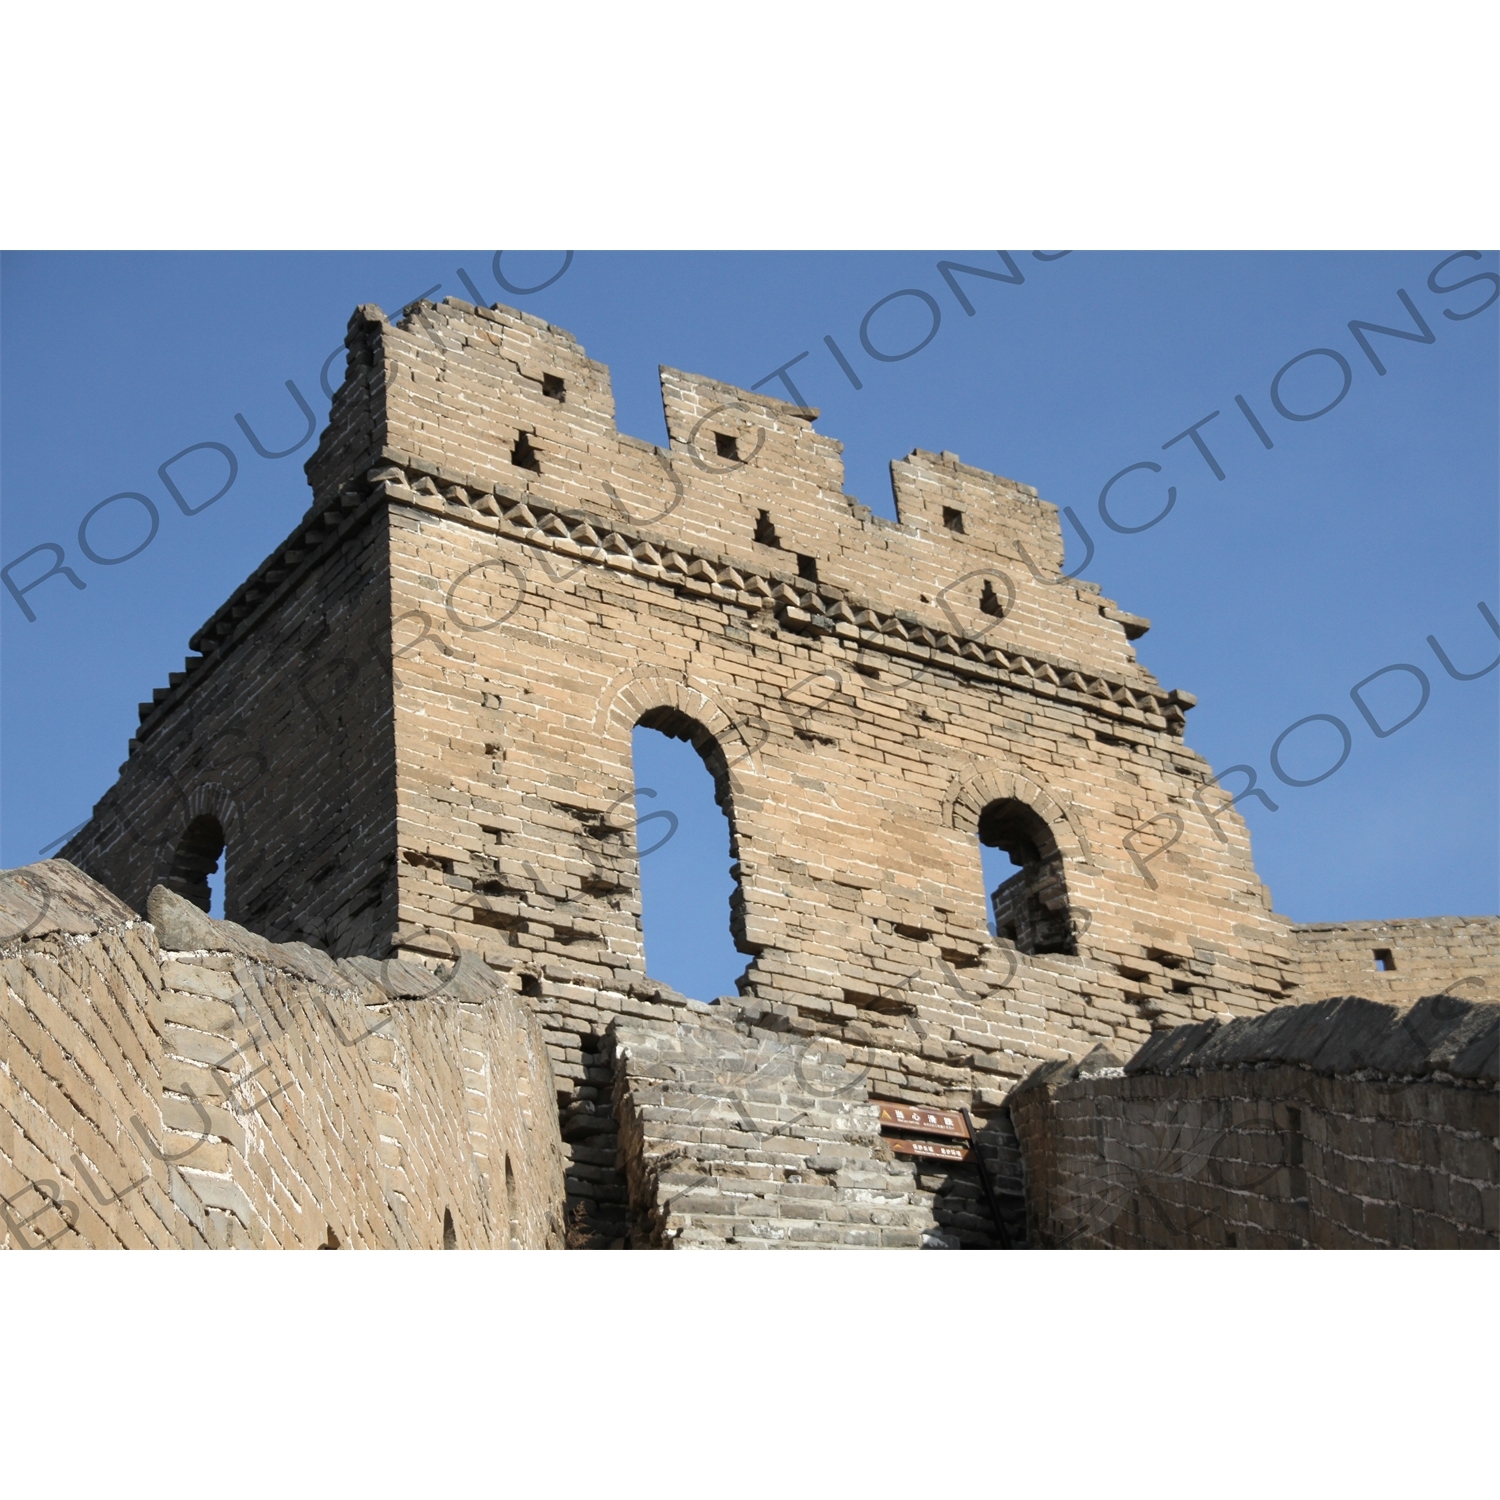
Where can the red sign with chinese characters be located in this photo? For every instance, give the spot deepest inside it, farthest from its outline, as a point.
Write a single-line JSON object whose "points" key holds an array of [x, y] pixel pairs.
{"points": [[931, 1150], [928, 1121]]}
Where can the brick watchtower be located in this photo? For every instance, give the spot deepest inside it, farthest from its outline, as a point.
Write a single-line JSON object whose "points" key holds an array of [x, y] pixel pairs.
{"points": [[412, 728]]}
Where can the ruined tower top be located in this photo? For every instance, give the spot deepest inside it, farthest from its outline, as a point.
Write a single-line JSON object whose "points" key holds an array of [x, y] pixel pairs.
{"points": [[495, 402]]}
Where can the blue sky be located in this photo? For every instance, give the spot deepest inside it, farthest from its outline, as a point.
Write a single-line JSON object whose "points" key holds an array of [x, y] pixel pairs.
{"points": [[1310, 566]]}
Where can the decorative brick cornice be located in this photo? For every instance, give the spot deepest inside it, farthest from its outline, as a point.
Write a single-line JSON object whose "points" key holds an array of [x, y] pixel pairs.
{"points": [[813, 609]]}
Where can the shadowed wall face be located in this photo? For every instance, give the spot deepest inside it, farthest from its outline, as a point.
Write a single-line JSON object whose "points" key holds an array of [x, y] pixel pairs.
{"points": [[1341, 1125], [277, 742]]}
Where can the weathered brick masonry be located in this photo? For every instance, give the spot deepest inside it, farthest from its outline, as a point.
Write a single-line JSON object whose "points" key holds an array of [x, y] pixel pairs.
{"points": [[1400, 961], [734, 1134], [412, 726], [184, 1083], [1347, 1124]]}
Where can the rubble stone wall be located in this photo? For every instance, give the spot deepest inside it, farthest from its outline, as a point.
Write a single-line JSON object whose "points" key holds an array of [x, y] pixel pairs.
{"points": [[736, 1137], [183, 1083], [1341, 1125]]}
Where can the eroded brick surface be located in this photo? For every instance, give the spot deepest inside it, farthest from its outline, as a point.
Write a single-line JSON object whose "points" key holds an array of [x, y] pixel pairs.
{"points": [[1401, 961], [234, 1093], [1353, 1125]]}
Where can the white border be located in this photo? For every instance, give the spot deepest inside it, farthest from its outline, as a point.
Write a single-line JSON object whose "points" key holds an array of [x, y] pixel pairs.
{"points": [[310, 124], [1237, 1374]]}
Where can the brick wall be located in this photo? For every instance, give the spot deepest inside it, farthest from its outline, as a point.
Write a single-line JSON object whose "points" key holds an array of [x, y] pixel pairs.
{"points": [[281, 730], [185, 1083], [854, 740], [1344, 1124], [1423, 956]]}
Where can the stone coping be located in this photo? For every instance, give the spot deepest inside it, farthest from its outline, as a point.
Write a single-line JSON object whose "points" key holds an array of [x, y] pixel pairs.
{"points": [[1441, 1035]]}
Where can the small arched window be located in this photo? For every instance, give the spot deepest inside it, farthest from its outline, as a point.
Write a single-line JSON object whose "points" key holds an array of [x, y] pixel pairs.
{"points": [[195, 858], [1030, 905]]}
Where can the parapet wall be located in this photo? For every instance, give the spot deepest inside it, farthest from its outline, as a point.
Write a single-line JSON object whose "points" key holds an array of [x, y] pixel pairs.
{"points": [[1399, 961], [183, 1083], [448, 391], [1344, 1124]]}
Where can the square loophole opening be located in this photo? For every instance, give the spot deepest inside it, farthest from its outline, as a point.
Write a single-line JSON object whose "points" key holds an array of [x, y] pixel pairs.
{"points": [[727, 445], [953, 519], [524, 456], [554, 386], [1385, 961]]}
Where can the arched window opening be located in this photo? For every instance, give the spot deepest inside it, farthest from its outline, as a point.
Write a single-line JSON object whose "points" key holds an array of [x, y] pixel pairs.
{"points": [[450, 1234], [999, 870], [195, 860], [1029, 905], [688, 853]]}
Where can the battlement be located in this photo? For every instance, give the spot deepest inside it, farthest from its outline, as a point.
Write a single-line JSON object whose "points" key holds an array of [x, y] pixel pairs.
{"points": [[973, 565], [503, 405]]}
